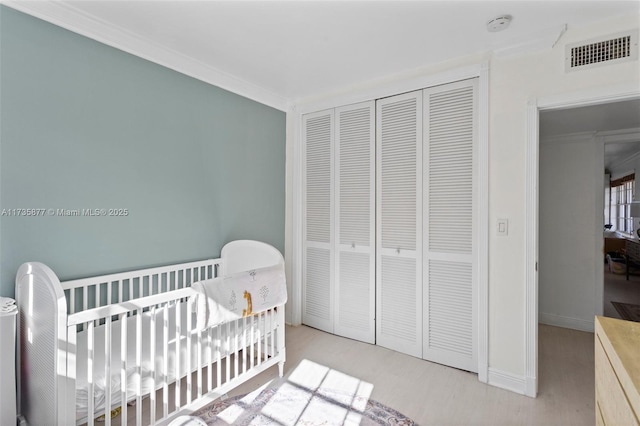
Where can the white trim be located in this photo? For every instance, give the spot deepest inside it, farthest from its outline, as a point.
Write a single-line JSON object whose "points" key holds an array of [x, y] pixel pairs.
{"points": [[508, 381], [595, 96], [598, 221], [531, 252], [544, 40], [566, 322], [568, 100], [569, 138], [66, 16], [613, 136], [623, 135], [395, 87], [297, 235], [482, 223]]}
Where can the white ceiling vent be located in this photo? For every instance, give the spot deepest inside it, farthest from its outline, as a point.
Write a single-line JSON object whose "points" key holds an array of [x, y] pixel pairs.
{"points": [[602, 51]]}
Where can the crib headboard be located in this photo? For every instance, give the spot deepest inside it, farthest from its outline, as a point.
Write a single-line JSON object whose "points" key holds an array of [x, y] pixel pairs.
{"points": [[245, 255], [42, 351]]}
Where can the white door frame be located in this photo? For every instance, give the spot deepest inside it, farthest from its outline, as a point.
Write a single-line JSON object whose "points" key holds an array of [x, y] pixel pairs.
{"points": [[569, 100]]}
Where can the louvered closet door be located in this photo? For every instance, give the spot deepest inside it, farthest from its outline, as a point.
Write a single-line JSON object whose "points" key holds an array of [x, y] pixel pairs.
{"points": [[318, 254], [450, 335], [355, 225], [398, 207]]}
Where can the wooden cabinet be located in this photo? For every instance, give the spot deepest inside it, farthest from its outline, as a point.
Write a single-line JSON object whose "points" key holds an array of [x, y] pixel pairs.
{"points": [[617, 370]]}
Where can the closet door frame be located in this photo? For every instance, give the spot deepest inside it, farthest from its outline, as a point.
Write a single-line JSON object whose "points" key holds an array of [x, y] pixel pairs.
{"points": [[295, 248]]}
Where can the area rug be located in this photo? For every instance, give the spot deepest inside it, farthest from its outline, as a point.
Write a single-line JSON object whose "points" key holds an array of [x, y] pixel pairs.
{"points": [[291, 405], [628, 311]]}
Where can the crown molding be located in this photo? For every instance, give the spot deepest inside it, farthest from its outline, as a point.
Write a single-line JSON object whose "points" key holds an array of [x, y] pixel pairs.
{"points": [[546, 39], [569, 138], [73, 19]]}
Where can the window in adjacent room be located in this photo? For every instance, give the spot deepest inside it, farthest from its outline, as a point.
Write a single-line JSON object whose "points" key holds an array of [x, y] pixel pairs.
{"points": [[618, 200]]}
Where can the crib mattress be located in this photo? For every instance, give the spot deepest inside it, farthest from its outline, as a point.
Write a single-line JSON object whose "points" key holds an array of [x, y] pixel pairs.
{"points": [[149, 374]]}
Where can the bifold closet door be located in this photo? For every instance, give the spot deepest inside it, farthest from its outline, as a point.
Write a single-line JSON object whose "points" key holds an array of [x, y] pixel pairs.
{"points": [[450, 327], [355, 222], [398, 223], [318, 253]]}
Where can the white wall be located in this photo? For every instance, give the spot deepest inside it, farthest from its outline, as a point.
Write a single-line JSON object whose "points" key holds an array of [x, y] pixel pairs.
{"points": [[567, 232]]}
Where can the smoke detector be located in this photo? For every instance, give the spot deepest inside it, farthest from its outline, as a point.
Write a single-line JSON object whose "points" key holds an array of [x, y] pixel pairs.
{"points": [[499, 23]]}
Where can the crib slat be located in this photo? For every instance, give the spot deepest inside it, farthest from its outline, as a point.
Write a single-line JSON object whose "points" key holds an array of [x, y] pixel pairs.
{"points": [[85, 297], [165, 363], [252, 341], [267, 334], [209, 359], [123, 368], [227, 352], [90, 384], [152, 351], [259, 324], [218, 357], [139, 366], [72, 300], [272, 329], [178, 395], [244, 345], [189, 355], [235, 349], [107, 371], [199, 361]]}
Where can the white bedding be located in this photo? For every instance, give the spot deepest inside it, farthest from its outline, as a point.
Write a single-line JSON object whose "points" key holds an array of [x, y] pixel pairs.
{"points": [[237, 295], [147, 367]]}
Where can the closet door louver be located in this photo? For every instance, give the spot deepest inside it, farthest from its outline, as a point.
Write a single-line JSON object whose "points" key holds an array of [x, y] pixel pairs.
{"points": [[450, 335], [355, 225], [318, 254], [398, 209]]}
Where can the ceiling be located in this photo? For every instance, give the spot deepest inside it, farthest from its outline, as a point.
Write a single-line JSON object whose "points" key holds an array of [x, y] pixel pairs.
{"points": [[606, 117], [295, 49]]}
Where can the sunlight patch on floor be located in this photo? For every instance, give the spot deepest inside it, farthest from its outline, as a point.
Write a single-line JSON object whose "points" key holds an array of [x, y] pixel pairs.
{"points": [[312, 394]]}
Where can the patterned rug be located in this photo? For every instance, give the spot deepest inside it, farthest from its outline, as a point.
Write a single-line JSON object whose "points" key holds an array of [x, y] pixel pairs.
{"points": [[628, 311], [292, 405]]}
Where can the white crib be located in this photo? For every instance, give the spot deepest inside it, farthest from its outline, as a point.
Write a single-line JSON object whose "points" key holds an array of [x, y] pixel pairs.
{"points": [[137, 329]]}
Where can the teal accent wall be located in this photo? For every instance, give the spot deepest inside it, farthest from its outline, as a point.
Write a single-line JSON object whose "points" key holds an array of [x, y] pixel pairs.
{"points": [[87, 126]]}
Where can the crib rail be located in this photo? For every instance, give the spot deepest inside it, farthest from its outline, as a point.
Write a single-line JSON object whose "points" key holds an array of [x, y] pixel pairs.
{"points": [[87, 293], [216, 359]]}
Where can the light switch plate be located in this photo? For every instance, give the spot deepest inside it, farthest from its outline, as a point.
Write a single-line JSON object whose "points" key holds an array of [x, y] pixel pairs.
{"points": [[503, 227]]}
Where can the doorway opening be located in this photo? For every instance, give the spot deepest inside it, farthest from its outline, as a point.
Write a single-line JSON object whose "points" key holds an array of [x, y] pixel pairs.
{"points": [[534, 209], [580, 148]]}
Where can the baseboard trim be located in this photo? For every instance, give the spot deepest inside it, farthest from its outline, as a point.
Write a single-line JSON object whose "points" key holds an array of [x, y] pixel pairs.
{"points": [[566, 322], [508, 381], [531, 387]]}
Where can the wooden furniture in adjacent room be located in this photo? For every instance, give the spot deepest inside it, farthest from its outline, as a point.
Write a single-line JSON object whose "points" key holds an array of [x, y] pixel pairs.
{"points": [[617, 369]]}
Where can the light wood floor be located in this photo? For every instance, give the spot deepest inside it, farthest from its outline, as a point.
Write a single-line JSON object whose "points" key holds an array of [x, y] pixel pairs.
{"points": [[432, 394]]}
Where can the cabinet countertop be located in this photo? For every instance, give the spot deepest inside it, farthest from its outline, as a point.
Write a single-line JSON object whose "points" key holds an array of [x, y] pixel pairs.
{"points": [[621, 340]]}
